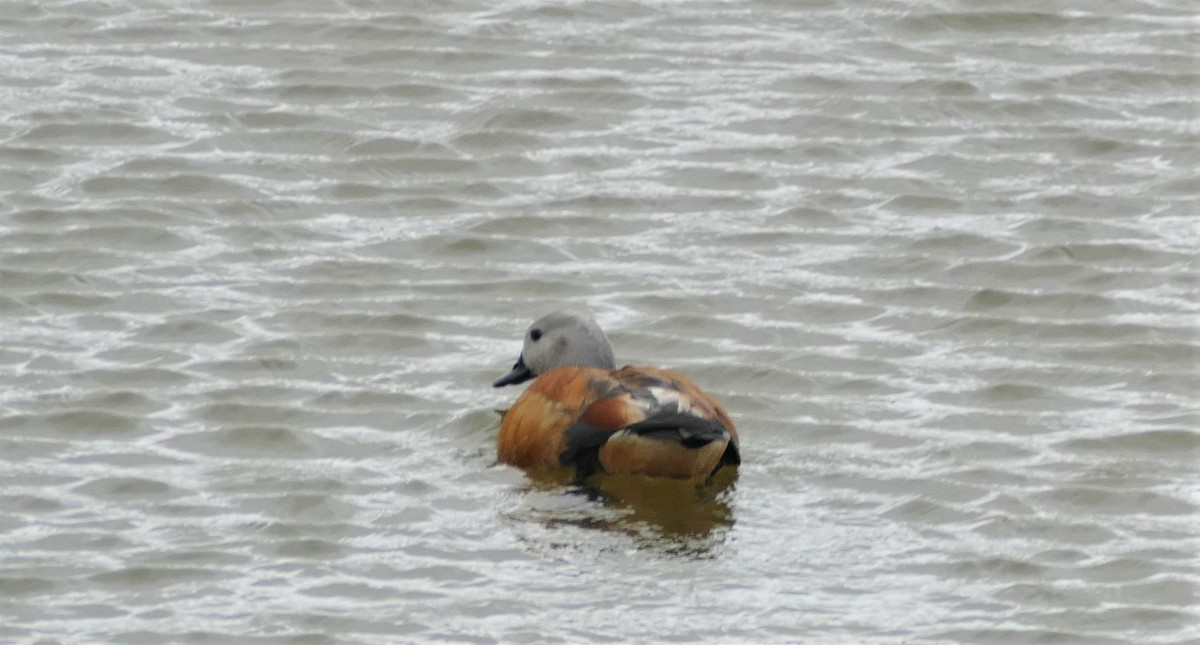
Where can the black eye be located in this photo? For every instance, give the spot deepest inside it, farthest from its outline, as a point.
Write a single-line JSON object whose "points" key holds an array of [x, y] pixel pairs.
{"points": [[535, 335]]}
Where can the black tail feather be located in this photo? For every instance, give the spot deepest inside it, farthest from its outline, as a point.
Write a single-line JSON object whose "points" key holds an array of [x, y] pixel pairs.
{"points": [[687, 429]]}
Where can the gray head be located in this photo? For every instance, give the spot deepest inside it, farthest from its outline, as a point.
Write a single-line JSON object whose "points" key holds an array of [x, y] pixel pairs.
{"points": [[557, 340]]}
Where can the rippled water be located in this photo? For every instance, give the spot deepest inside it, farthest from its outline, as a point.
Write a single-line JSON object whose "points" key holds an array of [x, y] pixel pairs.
{"points": [[260, 261]]}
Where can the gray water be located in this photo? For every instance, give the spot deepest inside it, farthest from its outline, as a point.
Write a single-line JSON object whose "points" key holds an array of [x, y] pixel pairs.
{"points": [[260, 261]]}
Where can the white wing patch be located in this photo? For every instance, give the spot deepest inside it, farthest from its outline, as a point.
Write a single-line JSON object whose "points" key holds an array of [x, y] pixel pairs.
{"points": [[665, 397]]}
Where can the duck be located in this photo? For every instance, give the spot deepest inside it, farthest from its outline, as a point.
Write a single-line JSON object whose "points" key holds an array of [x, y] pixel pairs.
{"points": [[581, 411]]}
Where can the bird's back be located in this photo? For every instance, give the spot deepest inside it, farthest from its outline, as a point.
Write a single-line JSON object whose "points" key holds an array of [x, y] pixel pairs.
{"points": [[635, 420]]}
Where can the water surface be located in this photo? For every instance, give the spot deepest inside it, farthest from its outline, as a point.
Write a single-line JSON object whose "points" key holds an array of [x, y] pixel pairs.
{"points": [[259, 263]]}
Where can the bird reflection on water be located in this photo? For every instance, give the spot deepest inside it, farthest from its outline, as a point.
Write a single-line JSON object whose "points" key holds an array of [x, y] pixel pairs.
{"points": [[669, 516]]}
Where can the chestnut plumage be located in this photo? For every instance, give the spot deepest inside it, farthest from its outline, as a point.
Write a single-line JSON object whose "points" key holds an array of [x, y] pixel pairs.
{"points": [[581, 412]]}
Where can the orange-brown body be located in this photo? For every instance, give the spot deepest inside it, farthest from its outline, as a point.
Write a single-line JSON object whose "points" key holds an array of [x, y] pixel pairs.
{"points": [[582, 416]]}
